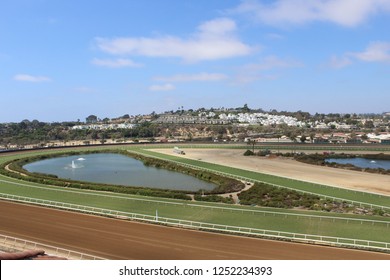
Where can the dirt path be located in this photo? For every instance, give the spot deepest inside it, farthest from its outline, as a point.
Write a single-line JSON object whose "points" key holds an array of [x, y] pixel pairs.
{"points": [[290, 168]]}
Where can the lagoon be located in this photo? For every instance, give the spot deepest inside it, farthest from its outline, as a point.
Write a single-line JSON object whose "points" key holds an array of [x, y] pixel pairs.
{"points": [[116, 169], [362, 162]]}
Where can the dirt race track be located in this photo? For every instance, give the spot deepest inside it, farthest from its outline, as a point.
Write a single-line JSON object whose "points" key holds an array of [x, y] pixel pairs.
{"points": [[118, 239]]}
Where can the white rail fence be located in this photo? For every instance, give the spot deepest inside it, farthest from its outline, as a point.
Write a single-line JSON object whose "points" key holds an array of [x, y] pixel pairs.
{"points": [[299, 237], [210, 206], [9, 243]]}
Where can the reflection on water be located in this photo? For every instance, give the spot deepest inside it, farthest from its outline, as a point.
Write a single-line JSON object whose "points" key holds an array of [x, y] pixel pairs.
{"points": [[116, 169]]}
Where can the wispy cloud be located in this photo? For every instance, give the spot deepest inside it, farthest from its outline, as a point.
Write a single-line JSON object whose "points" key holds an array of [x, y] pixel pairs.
{"points": [[115, 63], [84, 89], [339, 62], [274, 36], [272, 62], [265, 69], [30, 78], [165, 87], [286, 12], [375, 52], [215, 39], [202, 77]]}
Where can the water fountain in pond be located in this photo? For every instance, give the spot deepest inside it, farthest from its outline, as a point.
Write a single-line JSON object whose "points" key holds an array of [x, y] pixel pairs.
{"points": [[73, 164]]}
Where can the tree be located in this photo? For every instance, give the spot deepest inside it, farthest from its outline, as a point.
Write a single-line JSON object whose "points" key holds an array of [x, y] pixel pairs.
{"points": [[369, 124], [91, 119], [94, 135], [245, 108], [253, 143], [312, 136]]}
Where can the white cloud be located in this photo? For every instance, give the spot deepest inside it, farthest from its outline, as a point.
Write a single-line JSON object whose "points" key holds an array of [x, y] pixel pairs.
{"points": [[215, 39], [115, 63], [165, 87], [375, 52], [29, 78], [285, 12], [207, 77]]}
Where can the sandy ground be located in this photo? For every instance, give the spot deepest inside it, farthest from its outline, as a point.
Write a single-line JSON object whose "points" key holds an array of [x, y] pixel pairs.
{"points": [[118, 239], [290, 168]]}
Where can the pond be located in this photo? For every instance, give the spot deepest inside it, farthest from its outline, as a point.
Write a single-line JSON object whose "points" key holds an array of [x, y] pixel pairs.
{"points": [[117, 169], [362, 162]]}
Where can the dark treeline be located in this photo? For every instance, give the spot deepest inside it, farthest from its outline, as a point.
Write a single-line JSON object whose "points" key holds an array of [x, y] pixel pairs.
{"points": [[35, 132]]}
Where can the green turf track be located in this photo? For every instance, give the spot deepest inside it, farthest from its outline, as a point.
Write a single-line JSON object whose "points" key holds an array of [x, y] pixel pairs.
{"points": [[322, 190], [316, 223]]}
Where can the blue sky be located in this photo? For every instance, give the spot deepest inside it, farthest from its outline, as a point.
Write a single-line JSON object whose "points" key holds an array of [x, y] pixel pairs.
{"points": [[63, 60]]}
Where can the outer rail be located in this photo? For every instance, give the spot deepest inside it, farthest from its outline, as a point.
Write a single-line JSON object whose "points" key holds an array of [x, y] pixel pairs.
{"points": [[298, 237]]}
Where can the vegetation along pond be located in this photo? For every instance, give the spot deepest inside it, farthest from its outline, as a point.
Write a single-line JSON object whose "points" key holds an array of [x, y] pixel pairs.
{"points": [[116, 169]]}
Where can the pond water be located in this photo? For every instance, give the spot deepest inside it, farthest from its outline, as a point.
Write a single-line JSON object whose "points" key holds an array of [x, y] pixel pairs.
{"points": [[362, 162], [116, 169]]}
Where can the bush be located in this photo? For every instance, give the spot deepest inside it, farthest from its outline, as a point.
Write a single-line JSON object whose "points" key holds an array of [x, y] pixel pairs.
{"points": [[270, 196], [249, 153], [213, 198]]}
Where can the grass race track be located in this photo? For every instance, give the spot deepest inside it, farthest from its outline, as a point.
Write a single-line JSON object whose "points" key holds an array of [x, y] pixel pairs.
{"points": [[373, 228]]}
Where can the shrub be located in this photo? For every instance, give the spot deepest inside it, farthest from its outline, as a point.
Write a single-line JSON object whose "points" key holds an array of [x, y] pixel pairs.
{"points": [[249, 153]]}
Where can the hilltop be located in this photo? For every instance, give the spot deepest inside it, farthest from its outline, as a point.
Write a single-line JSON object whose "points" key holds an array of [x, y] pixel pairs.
{"points": [[214, 124]]}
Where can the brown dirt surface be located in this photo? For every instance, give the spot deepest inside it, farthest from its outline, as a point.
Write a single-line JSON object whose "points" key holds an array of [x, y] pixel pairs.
{"points": [[290, 168], [119, 239]]}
